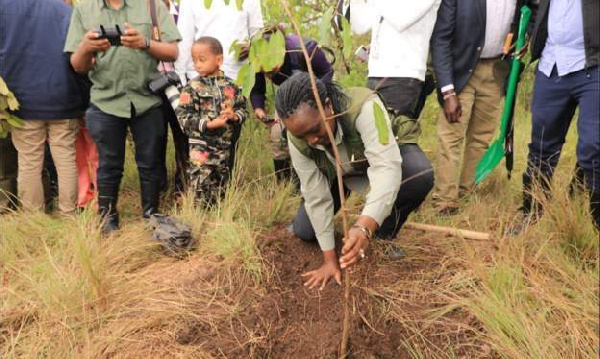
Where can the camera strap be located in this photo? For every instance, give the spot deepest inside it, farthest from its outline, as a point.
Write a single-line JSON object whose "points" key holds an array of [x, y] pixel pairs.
{"points": [[155, 28]]}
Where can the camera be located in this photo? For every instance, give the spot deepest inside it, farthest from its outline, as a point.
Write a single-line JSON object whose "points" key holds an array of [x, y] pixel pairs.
{"points": [[112, 34], [167, 83]]}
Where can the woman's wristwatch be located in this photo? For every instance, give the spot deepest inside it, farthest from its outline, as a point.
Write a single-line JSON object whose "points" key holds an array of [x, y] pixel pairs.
{"points": [[367, 232]]}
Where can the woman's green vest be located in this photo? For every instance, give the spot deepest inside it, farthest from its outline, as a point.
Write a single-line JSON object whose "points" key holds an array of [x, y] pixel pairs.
{"points": [[405, 130]]}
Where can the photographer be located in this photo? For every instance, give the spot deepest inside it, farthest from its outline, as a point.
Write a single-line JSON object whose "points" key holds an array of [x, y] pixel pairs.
{"points": [[120, 61]]}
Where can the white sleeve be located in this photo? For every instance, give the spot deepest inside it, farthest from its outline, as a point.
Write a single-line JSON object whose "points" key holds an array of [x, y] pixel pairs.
{"points": [[403, 14], [255, 18], [362, 16], [187, 29], [318, 201], [385, 163]]}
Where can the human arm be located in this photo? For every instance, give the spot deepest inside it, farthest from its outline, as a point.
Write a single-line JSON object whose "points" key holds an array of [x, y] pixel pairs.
{"points": [[321, 67], [385, 178], [187, 28], [441, 51], [318, 203], [403, 14], [83, 44], [441, 45], [193, 121], [362, 16], [162, 51], [255, 18], [240, 106], [258, 93]]}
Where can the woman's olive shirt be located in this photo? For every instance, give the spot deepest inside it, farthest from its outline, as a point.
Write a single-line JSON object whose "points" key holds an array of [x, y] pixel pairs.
{"points": [[383, 176]]}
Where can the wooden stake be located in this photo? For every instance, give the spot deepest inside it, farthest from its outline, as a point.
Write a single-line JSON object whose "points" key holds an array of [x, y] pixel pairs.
{"points": [[448, 231]]}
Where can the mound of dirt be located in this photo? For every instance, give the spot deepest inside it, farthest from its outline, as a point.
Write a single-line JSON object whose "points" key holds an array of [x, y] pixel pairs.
{"points": [[392, 303]]}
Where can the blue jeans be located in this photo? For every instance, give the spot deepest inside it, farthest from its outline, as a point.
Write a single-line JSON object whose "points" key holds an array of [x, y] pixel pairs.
{"points": [[555, 100], [109, 133]]}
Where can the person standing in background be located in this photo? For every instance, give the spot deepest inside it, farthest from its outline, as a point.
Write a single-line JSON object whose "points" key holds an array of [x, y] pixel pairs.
{"points": [[120, 97], [399, 48], [41, 78], [467, 48], [566, 40], [226, 23]]}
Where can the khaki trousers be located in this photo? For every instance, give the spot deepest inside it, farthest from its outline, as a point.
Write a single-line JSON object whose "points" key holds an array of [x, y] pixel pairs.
{"points": [[481, 101], [30, 142]]}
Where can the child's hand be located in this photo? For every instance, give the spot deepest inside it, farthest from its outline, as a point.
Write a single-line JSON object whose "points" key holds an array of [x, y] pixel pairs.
{"points": [[217, 123], [228, 113]]}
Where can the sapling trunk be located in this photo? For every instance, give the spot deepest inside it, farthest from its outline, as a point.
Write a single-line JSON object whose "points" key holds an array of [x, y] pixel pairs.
{"points": [[346, 323]]}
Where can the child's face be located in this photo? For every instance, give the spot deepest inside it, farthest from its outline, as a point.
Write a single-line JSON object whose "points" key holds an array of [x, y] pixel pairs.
{"points": [[206, 62]]}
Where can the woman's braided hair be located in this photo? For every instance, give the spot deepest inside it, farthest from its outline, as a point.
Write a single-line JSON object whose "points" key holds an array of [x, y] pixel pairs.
{"points": [[298, 90]]}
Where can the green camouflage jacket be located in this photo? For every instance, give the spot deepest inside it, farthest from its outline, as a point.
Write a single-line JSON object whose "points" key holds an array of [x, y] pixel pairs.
{"points": [[202, 100]]}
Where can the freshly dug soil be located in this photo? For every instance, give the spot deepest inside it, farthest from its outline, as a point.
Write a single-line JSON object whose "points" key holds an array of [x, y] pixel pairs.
{"points": [[392, 305]]}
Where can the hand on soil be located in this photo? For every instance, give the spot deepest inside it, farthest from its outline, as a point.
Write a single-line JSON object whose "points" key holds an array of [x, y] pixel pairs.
{"points": [[352, 245], [321, 276]]}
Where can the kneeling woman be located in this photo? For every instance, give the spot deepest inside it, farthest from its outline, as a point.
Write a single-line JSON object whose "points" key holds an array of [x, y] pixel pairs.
{"points": [[373, 158]]}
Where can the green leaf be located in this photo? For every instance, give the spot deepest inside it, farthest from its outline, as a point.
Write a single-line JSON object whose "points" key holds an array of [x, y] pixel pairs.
{"points": [[381, 124], [12, 102], [246, 78], [207, 3], [258, 50], [14, 121], [3, 129], [3, 87], [325, 27], [227, 2], [346, 38], [3, 103], [275, 52], [239, 4]]}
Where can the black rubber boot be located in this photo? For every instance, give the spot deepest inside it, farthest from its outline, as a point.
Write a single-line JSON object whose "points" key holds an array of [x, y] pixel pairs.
{"points": [[150, 198], [107, 208]]}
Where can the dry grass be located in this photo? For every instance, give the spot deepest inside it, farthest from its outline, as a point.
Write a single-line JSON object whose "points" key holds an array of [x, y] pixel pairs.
{"points": [[67, 292]]}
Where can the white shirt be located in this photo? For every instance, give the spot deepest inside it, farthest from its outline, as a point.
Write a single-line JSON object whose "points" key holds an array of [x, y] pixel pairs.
{"points": [[401, 31], [224, 22], [565, 45], [498, 18]]}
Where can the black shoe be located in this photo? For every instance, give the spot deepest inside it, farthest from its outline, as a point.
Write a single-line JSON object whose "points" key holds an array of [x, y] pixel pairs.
{"points": [[110, 224]]}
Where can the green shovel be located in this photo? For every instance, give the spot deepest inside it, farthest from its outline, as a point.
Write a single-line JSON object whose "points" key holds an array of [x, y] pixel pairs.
{"points": [[503, 145]]}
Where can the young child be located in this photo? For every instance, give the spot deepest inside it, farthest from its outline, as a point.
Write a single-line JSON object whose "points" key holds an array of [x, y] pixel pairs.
{"points": [[210, 106]]}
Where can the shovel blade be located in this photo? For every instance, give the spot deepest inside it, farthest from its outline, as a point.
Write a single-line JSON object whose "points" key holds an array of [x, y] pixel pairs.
{"points": [[491, 158]]}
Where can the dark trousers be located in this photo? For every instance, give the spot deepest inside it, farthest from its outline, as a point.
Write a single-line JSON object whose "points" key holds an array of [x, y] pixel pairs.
{"points": [[109, 133], [180, 142], [402, 94], [555, 100], [417, 176]]}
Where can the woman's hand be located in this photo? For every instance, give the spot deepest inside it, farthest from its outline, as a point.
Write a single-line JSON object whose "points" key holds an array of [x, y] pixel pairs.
{"points": [[354, 247], [321, 276]]}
